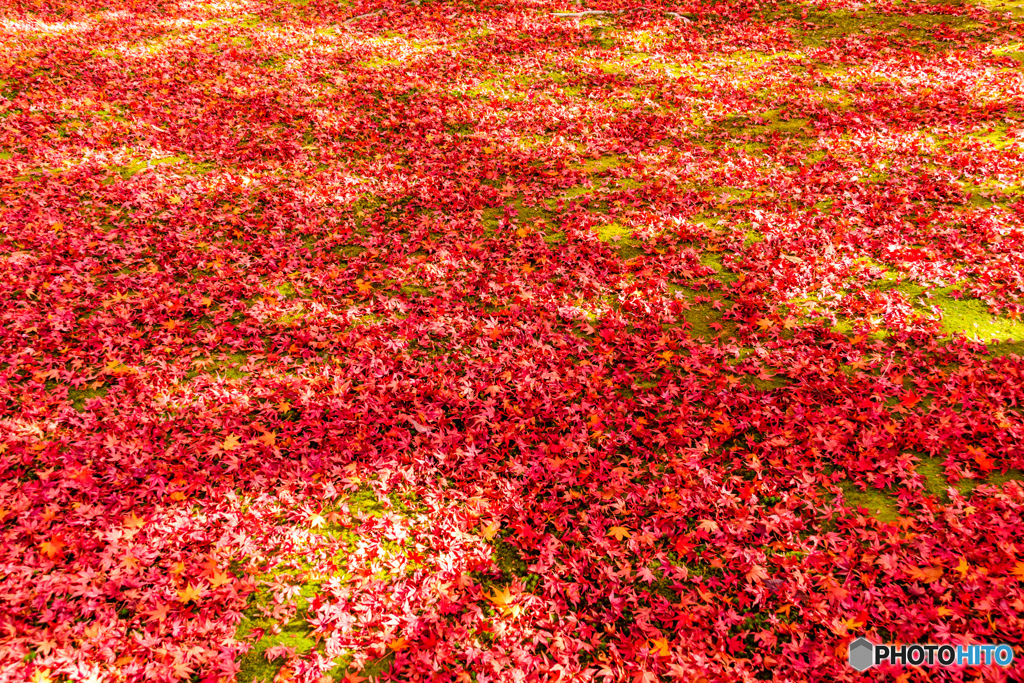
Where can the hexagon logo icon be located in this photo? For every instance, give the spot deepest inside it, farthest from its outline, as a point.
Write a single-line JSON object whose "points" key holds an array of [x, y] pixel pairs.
{"points": [[861, 653]]}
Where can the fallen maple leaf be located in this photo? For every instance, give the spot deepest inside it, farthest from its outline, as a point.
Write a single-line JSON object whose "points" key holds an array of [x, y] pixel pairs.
{"points": [[189, 594], [133, 521], [756, 574], [925, 574], [708, 525], [52, 548], [219, 579], [488, 532], [158, 614], [660, 648], [502, 600], [619, 532]]}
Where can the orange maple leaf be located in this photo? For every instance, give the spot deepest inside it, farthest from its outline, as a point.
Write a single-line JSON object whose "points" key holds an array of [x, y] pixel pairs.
{"points": [[925, 574], [619, 532], [503, 601], [52, 549], [219, 578], [659, 648], [189, 593], [133, 521]]}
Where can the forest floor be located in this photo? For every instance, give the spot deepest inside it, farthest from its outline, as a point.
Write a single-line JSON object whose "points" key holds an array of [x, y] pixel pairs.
{"points": [[508, 341]]}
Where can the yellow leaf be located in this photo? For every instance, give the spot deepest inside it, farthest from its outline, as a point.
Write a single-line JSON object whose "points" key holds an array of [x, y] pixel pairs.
{"points": [[116, 367], [220, 578], [963, 567], [1018, 570], [269, 438], [398, 644], [944, 612], [317, 521], [619, 532], [502, 600], [231, 442], [189, 593]]}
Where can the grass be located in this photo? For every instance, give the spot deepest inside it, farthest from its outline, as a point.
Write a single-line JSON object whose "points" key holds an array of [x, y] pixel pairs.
{"points": [[882, 504], [254, 664], [131, 169], [80, 396], [297, 633]]}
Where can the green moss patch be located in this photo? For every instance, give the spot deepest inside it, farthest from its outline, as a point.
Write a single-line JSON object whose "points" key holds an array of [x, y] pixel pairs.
{"points": [[972, 318]]}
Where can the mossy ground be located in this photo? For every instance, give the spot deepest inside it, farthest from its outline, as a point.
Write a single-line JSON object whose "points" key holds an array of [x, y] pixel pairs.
{"points": [[297, 632], [883, 504]]}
